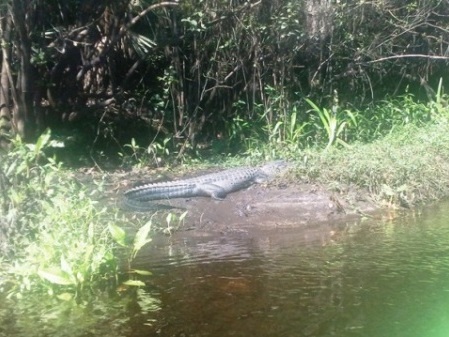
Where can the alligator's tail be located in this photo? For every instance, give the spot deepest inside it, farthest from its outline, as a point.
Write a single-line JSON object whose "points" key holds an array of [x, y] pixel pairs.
{"points": [[160, 192], [142, 206]]}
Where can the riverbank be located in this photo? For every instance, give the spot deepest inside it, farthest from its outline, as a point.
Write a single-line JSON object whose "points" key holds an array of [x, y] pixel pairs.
{"points": [[408, 167]]}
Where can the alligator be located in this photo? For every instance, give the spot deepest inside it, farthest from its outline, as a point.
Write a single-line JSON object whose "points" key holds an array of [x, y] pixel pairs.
{"points": [[215, 185]]}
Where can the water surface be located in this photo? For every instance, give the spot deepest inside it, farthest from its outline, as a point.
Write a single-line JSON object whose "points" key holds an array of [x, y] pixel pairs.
{"points": [[377, 278], [382, 278]]}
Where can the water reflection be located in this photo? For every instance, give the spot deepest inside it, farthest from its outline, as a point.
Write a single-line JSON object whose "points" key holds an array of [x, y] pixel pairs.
{"points": [[377, 278], [113, 315]]}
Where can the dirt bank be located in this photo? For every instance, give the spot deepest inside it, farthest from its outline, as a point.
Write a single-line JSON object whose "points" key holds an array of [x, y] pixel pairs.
{"points": [[281, 205]]}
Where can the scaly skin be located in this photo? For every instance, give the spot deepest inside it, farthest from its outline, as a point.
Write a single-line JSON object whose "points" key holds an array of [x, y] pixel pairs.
{"points": [[214, 185]]}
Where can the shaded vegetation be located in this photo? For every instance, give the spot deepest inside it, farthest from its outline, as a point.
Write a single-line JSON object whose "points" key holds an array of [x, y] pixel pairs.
{"points": [[188, 74]]}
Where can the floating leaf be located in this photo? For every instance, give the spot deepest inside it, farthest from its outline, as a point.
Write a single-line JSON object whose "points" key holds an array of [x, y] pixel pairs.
{"points": [[142, 272]]}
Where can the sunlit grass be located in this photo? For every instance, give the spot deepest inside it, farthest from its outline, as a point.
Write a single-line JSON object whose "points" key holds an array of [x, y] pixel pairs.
{"points": [[410, 165]]}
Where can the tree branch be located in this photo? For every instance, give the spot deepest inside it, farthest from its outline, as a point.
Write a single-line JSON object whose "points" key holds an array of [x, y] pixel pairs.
{"points": [[145, 12], [430, 57]]}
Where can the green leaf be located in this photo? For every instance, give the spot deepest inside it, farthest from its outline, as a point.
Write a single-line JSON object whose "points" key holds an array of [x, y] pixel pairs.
{"points": [[168, 219], [141, 238], [118, 234], [90, 232], [56, 276], [275, 129], [80, 277], [182, 216], [41, 142], [65, 266], [65, 296]]}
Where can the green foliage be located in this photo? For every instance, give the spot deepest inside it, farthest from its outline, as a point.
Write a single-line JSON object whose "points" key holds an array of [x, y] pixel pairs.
{"points": [[173, 217], [378, 120], [239, 131], [57, 240], [439, 106], [297, 128], [56, 237], [153, 154], [141, 238], [276, 129], [195, 59], [287, 131], [333, 122]]}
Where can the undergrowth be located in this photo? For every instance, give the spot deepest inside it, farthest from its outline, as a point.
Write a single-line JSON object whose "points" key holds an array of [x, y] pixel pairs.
{"points": [[55, 238]]}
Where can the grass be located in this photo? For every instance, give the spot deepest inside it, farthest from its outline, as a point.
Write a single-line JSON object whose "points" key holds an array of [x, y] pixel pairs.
{"points": [[410, 165]]}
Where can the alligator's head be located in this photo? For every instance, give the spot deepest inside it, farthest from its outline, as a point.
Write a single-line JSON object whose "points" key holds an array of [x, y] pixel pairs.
{"points": [[274, 168]]}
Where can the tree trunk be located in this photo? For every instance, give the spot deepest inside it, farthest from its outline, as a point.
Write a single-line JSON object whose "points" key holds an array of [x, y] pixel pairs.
{"points": [[23, 115], [5, 76]]}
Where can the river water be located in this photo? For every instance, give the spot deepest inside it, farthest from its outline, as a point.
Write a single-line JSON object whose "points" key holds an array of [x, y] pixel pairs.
{"points": [[374, 278], [383, 278]]}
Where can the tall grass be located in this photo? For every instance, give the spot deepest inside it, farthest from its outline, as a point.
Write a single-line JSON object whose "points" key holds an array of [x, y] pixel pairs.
{"points": [[304, 124]]}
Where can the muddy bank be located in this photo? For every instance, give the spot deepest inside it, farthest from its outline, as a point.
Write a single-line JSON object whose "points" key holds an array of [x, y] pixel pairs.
{"points": [[283, 205]]}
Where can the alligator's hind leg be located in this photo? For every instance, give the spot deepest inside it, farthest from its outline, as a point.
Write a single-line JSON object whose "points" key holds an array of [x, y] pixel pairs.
{"points": [[214, 191]]}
